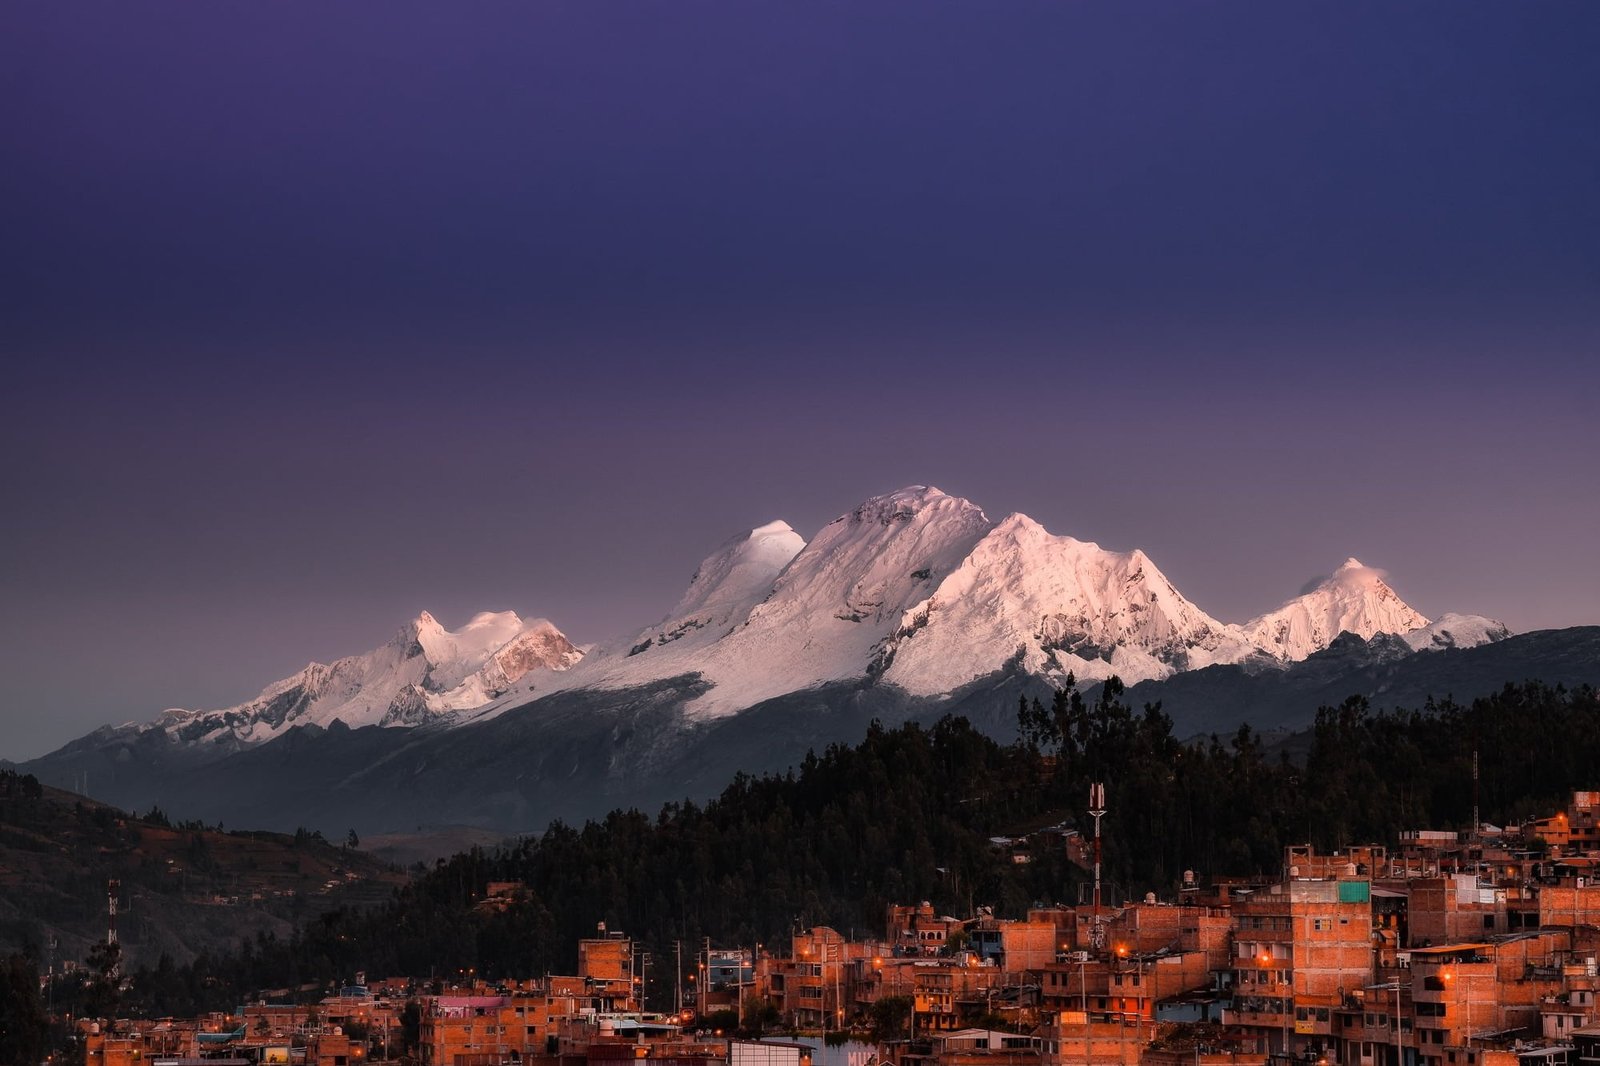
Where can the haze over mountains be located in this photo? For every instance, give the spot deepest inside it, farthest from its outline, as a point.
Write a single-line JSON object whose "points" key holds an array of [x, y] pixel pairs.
{"points": [[912, 603]]}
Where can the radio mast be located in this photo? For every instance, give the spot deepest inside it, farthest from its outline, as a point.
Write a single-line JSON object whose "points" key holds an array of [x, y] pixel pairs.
{"points": [[1097, 811]]}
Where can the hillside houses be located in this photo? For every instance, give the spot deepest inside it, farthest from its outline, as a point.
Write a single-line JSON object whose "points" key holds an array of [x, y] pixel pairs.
{"points": [[1447, 950]]}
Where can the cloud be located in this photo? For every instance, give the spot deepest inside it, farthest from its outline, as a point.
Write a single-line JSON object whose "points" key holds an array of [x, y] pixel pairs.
{"points": [[1352, 572], [1312, 585]]}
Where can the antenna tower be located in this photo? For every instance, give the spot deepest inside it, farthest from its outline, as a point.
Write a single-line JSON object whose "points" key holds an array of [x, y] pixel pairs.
{"points": [[1097, 811]]}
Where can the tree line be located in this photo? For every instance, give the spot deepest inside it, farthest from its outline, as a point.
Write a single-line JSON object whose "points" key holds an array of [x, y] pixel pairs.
{"points": [[908, 814]]}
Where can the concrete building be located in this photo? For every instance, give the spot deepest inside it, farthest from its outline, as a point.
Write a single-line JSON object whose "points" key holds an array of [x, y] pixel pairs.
{"points": [[918, 931], [1299, 946], [606, 964]]}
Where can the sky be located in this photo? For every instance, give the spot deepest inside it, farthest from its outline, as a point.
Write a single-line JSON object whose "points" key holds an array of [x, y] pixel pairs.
{"points": [[315, 316]]}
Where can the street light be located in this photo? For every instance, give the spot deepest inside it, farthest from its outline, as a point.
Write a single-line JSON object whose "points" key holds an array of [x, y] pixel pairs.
{"points": [[1121, 952], [1448, 977], [1083, 980], [1285, 1004]]}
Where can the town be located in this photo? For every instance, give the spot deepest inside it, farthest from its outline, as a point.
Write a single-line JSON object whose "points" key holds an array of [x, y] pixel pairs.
{"points": [[1474, 948]]}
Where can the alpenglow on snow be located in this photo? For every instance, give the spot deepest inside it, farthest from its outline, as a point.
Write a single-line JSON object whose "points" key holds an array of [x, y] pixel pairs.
{"points": [[914, 589]]}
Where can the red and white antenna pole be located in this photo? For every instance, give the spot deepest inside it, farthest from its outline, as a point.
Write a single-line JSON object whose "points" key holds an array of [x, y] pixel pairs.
{"points": [[1097, 810]]}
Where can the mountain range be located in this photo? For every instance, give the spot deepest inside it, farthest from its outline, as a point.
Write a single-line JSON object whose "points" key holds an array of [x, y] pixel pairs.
{"points": [[910, 604]]}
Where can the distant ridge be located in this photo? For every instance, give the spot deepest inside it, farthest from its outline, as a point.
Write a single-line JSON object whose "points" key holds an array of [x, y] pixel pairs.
{"points": [[914, 589], [911, 604]]}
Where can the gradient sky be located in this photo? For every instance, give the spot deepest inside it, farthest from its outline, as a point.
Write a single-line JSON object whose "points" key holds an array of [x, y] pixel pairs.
{"points": [[317, 315]]}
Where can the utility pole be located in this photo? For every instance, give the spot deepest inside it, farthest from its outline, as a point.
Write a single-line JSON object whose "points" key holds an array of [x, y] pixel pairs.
{"points": [[1399, 1056], [112, 888], [1475, 822], [50, 978]]}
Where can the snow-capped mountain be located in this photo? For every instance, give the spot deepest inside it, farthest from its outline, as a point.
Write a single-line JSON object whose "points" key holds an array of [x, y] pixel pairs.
{"points": [[423, 672], [910, 606], [725, 588], [1353, 599], [822, 616], [833, 607], [1054, 605], [922, 591], [915, 589], [1453, 630]]}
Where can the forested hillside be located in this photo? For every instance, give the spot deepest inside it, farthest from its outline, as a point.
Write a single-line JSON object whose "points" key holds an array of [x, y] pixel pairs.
{"points": [[907, 814], [182, 888]]}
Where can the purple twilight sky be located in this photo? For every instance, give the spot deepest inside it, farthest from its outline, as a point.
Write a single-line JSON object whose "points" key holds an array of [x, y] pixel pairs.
{"points": [[317, 315]]}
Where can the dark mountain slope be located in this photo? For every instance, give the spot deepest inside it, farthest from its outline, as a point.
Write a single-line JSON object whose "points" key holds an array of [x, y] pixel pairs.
{"points": [[1217, 698], [577, 754]]}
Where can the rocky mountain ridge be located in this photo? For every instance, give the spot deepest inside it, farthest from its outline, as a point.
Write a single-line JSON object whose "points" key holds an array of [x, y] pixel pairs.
{"points": [[914, 589]]}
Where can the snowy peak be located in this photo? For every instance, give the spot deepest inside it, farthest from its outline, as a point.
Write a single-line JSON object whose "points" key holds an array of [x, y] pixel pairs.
{"points": [[540, 646], [537, 646], [726, 585], [741, 567], [914, 588], [1453, 630], [454, 656], [840, 597], [869, 564], [1053, 605], [904, 505], [768, 613], [425, 671], [1353, 599], [920, 590]]}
